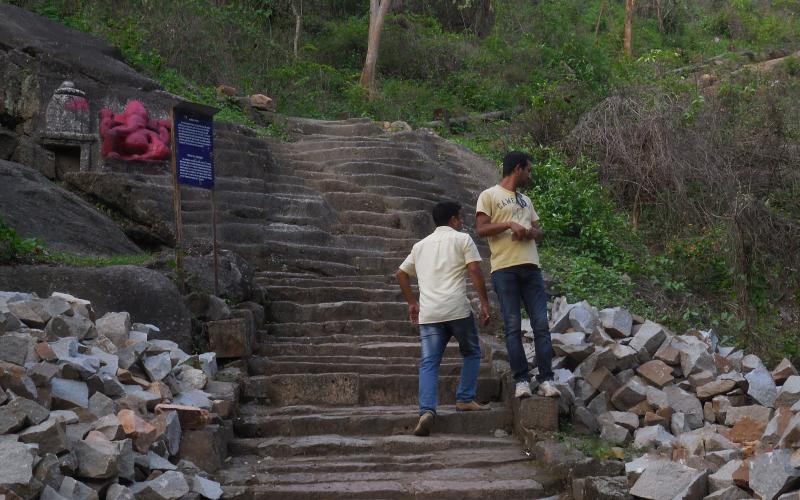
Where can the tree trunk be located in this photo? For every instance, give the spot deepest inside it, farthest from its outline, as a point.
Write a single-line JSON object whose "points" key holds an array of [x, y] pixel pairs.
{"points": [[298, 25], [377, 15], [599, 17], [660, 16], [628, 43]]}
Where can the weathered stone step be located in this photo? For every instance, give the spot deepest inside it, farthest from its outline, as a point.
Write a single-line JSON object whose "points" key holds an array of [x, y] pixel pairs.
{"points": [[370, 230], [514, 489], [281, 278], [263, 366], [409, 348], [326, 444], [335, 339], [315, 258], [350, 389], [258, 421], [353, 327], [305, 294], [335, 311], [347, 153]]}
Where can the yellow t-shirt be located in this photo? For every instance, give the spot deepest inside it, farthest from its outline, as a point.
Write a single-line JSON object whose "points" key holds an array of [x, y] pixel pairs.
{"points": [[502, 205], [440, 264]]}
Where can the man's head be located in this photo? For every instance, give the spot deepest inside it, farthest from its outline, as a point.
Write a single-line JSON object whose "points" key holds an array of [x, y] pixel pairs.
{"points": [[517, 164], [447, 213]]}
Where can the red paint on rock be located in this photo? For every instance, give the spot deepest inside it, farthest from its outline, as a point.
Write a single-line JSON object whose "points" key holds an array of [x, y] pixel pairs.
{"points": [[132, 135]]}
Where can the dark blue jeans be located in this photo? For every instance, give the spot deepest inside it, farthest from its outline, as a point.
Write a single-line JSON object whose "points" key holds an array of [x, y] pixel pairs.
{"points": [[524, 283], [434, 338]]}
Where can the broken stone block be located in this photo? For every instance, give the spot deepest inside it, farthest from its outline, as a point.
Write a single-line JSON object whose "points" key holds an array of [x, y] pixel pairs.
{"points": [[648, 338], [656, 372], [49, 435], [191, 418], [118, 492], [761, 387], [777, 426], [678, 424], [32, 312], [76, 490], [207, 447], [583, 317], [625, 357], [617, 321], [229, 338], [684, 482], [101, 405], [694, 355], [750, 362], [157, 367], [168, 425], [30, 411], [729, 493], [771, 474], [755, 412], [142, 432], [723, 478], [687, 403], [206, 487], [190, 378], [783, 371], [654, 437], [715, 388], [789, 393], [208, 363], [167, 486], [199, 399], [9, 322], [629, 395], [126, 464], [68, 394], [116, 326], [746, 430], [48, 493], [13, 377], [109, 426], [16, 468], [583, 421], [97, 456], [612, 432], [16, 347], [77, 326]]}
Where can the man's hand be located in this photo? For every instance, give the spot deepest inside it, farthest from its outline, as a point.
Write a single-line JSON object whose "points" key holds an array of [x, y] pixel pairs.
{"points": [[534, 233], [485, 313], [413, 313], [518, 231]]}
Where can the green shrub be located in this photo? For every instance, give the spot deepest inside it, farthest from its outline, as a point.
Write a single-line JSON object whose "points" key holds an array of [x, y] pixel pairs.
{"points": [[14, 248]]}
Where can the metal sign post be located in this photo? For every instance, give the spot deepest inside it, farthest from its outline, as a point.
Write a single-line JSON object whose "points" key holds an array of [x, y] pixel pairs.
{"points": [[193, 165]]}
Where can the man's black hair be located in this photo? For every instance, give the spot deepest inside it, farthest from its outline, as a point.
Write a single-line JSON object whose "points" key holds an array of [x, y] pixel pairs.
{"points": [[513, 159], [444, 210]]}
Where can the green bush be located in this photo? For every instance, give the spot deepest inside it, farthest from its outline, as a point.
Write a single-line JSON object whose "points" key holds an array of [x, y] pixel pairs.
{"points": [[14, 248]]}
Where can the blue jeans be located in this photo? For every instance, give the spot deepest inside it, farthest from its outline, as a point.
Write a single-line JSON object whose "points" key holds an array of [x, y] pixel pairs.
{"points": [[434, 338], [524, 282]]}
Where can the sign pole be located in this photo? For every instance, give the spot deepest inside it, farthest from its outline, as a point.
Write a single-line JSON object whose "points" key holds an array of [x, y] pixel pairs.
{"points": [[214, 238], [176, 202]]}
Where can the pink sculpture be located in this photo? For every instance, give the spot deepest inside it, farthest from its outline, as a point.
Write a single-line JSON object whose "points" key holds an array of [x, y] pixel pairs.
{"points": [[132, 135]]}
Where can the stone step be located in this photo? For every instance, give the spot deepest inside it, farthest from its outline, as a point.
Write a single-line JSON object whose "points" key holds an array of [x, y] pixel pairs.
{"points": [[264, 338], [409, 348], [307, 295], [335, 311], [346, 227], [350, 389], [258, 421], [260, 365], [330, 444], [349, 327], [284, 278], [342, 154]]}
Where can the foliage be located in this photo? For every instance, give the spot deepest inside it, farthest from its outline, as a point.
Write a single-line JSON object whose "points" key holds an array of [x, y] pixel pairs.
{"points": [[14, 248]]}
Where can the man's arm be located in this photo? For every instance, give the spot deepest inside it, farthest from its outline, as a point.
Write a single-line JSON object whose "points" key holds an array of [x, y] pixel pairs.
{"points": [[485, 227], [475, 274], [405, 286]]}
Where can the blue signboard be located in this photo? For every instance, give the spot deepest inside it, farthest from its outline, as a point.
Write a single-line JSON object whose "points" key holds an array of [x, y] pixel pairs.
{"points": [[194, 146]]}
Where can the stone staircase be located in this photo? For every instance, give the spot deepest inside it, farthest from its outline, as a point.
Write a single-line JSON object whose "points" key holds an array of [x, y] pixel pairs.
{"points": [[332, 403], [331, 399]]}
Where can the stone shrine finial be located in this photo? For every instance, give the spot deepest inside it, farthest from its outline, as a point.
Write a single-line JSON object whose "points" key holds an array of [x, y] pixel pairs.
{"points": [[68, 111]]}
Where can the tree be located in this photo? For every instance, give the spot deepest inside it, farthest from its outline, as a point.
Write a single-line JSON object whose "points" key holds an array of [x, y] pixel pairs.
{"points": [[298, 24], [377, 15], [628, 42]]}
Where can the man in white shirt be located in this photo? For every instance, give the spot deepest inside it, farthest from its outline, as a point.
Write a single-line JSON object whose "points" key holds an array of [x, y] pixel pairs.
{"points": [[440, 262]]}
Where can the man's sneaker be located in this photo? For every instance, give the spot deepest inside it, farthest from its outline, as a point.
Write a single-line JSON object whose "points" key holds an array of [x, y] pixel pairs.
{"points": [[548, 390], [523, 390], [424, 425], [471, 406]]}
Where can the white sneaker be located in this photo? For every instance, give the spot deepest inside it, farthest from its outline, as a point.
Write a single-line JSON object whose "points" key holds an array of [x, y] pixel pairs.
{"points": [[548, 390], [523, 390]]}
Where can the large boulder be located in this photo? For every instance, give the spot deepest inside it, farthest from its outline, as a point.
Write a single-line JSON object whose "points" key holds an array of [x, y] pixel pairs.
{"points": [[37, 208], [146, 295]]}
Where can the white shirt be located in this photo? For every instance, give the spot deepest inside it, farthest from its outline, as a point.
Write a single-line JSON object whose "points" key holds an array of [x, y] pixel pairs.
{"points": [[439, 262]]}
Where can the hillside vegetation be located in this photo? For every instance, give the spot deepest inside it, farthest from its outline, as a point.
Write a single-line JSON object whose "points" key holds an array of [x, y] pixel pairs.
{"points": [[667, 182]]}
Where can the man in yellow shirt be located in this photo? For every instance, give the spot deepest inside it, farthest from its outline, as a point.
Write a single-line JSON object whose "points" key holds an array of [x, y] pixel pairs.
{"points": [[440, 262], [507, 218]]}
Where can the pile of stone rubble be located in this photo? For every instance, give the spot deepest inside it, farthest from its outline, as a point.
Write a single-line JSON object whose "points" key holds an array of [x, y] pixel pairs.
{"points": [[711, 422], [96, 408]]}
